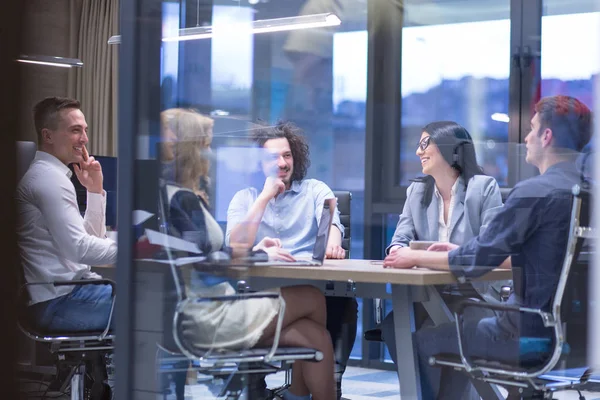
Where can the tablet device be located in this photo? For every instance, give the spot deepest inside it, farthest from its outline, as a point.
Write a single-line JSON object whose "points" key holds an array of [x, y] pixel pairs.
{"points": [[420, 244]]}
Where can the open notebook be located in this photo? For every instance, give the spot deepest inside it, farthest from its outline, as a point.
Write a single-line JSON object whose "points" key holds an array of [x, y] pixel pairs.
{"points": [[320, 242]]}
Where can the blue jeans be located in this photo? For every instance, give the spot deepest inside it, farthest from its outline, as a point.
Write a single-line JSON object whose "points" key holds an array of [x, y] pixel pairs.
{"points": [[483, 338], [86, 308]]}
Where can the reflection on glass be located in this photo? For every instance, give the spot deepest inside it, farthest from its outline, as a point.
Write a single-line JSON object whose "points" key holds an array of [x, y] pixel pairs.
{"points": [[458, 72], [231, 70], [315, 78]]}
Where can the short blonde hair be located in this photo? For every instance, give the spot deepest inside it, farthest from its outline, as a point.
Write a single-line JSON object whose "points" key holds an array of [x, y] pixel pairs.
{"points": [[194, 135]]}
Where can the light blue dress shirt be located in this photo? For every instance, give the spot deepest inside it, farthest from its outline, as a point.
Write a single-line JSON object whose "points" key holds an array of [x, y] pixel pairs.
{"points": [[292, 217]]}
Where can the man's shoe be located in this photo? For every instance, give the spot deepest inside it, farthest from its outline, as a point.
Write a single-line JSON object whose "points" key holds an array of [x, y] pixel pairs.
{"points": [[257, 387], [373, 335]]}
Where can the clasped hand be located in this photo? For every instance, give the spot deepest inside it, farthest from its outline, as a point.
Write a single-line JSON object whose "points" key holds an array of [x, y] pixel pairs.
{"points": [[335, 251], [272, 246], [404, 257]]}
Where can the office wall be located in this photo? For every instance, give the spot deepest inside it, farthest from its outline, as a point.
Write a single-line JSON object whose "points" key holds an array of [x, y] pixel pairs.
{"points": [[49, 28]]}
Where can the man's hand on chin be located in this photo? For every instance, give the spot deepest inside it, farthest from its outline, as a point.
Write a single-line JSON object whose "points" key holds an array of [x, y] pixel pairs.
{"points": [[273, 187], [89, 173], [402, 257]]}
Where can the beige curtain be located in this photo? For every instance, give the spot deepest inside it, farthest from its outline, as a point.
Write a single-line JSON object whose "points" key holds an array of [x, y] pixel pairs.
{"points": [[96, 84]]}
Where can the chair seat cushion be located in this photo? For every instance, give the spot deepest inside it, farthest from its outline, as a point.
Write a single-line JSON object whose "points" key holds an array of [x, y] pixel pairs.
{"points": [[37, 331], [533, 347]]}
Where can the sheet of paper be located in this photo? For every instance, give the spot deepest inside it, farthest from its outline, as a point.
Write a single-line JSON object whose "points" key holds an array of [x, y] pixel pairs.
{"points": [[160, 239], [140, 216]]}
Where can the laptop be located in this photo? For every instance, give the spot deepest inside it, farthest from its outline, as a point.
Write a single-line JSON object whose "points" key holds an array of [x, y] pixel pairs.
{"points": [[320, 248]]}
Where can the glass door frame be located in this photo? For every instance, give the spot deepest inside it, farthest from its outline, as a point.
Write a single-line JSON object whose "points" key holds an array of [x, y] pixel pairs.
{"points": [[139, 108]]}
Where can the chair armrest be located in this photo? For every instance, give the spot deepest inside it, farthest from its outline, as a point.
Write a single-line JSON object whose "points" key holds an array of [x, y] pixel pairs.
{"points": [[498, 307], [103, 281], [240, 296], [110, 282]]}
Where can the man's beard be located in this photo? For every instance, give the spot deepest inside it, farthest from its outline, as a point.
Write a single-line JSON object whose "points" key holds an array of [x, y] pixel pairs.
{"points": [[288, 178]]}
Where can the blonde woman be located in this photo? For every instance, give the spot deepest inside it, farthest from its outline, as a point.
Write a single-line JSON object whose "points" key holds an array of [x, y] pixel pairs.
{"points": [[186, 134], [247, 323]]}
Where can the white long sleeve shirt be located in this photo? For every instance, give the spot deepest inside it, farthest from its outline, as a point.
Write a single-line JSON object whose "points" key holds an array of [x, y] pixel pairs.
{"points": [[55, 241]]}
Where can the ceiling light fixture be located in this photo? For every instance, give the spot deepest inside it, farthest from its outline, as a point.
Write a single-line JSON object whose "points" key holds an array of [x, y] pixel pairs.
{"points": [[259, 26], [501, 117], [62, 62]]}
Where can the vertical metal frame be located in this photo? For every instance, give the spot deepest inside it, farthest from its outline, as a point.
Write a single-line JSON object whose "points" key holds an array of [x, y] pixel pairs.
{"points": [[531, 41], [514, 88], [384, 95], [594, 301], [11, 35], [139, 104], [384, 26], [525, 80]]}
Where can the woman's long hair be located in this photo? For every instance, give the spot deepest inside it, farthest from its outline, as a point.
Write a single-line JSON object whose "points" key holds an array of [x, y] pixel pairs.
{"points": [[194, 135], [457, 148]]}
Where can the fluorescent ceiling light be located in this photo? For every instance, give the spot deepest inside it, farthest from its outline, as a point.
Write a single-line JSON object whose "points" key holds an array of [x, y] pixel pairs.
{"points": [[51, 60], [259, 26], [500, 117]]}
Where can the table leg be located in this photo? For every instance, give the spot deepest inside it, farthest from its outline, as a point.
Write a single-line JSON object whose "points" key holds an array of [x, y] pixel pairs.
{"points": [[404, 326], [436, 307]]}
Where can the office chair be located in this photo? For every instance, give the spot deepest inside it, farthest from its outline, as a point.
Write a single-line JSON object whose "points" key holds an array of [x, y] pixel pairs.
{"points": [[344, 201], [83, 352], [234, 367], [527, 377], [25, 155]]}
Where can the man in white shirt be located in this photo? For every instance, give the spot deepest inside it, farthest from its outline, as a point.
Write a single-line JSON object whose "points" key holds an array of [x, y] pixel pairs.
{"points": [[56, 243]]}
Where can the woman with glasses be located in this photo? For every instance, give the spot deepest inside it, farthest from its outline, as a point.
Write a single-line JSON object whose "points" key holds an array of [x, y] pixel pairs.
{"points": [[452, 203]]}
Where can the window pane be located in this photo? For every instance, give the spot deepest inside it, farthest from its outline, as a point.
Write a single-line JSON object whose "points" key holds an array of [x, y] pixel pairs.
{"points": [[570, 49], [455, 70]]}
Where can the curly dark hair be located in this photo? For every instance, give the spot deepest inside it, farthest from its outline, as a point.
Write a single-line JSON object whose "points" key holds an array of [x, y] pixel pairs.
{"points": [[296, 139]]}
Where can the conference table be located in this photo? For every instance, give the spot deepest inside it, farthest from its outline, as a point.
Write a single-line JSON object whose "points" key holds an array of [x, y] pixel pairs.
{"points": [[348, 278], [368, 279]]}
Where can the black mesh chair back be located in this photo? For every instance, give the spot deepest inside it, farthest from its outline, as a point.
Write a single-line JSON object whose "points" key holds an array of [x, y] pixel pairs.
{"points": [[344, 205]]}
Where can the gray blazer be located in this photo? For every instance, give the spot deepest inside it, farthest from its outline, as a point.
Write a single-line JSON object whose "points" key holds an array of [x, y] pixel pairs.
{"points": [[473, 210]]}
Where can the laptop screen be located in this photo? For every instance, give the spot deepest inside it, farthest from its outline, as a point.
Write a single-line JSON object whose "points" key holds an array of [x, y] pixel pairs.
{"points": [[323, 229]]}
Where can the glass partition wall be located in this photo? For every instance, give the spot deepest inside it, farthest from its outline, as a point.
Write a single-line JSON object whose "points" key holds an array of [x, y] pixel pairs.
{"points": [[197, 80], [360, 80]]}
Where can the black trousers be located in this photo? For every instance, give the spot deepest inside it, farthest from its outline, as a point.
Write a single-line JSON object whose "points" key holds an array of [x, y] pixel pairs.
{"points": [[342, 317]]}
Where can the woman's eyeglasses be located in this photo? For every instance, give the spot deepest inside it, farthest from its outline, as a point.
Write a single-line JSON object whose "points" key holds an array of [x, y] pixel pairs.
{"points": [[424, 143]]}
